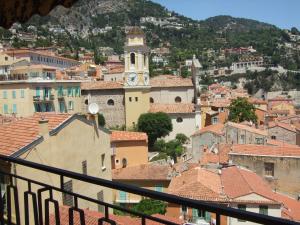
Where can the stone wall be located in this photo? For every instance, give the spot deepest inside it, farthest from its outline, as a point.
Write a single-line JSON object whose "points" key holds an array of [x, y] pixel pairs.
{"points": [[114, 114], [282, 134]]}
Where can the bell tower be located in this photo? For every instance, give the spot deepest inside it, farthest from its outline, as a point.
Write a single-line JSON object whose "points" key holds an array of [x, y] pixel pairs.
{"points": [[136, 77]]}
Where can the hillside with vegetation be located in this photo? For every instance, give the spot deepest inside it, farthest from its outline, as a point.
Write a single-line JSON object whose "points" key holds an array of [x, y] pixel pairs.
{"points": [[80, 26]]}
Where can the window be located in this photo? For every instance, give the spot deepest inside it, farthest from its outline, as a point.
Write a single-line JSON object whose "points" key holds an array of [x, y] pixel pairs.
{"points": [[100, 197], [68, 199], [242, 207], [263, 209], [37, 91], [259, 141], [5, 109], [110, 102], [14, 110], [60, 91], [6, 58], [22, 94], [14, 94], [132, 58], [242, 139], [124, 162], [103, 162], [179, 120], [177, 99], [122, 196], [5, 94], [77, 91], [62, 107], [69, 91], [215, 120], [151, 100], [71, 105], [159, 188], [184, 209], [84, 167], [136, 99], [273, 137], [130, 99], [269, 169], [86, 101]]}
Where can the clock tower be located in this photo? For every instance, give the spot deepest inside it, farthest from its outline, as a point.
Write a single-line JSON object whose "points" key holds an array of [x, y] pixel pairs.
{"points": [[136, 77]]}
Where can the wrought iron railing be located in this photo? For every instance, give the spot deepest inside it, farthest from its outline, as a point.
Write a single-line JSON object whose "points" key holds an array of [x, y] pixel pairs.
{"points": [[40, 207]]}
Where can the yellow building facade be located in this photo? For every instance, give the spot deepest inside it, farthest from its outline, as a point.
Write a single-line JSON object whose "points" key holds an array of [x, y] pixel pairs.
{"points": [[137, 81], [24, 98]]}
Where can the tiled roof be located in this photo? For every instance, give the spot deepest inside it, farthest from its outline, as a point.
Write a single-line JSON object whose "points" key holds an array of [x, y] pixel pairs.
{"points": [[128, 136], [257, 101], [142, 172], [170, 81], [100, 85], [286, 126], [221, 103], [172, 108], [265, 150], [228, 185], [247, 128], [91, 218], [215, 128], [280, 143], [18, 134], [216, 158]]}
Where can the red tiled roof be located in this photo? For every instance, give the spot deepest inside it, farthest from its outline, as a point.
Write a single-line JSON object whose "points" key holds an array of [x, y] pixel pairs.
{"points": [[220, 158], [265, 150], [100, 85], [172, 108], [142, 172], [215, 128], [18, 134], [247, 128], [128, 136], [280, 143], [170, 81], [257, 101], [91, 218]]}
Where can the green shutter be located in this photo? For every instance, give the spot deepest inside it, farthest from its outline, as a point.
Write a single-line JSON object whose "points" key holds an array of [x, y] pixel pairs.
{"points": [[207, 217], [4, 94], [37, 91], [14, 108], [195, 214], [122, 195], [14, 95]]}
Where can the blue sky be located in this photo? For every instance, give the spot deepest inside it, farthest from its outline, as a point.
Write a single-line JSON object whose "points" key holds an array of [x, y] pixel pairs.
{"points": [[282, 13]]}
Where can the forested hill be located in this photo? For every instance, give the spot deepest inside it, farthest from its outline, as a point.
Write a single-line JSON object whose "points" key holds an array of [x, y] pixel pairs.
{"points": [[82, 26]]}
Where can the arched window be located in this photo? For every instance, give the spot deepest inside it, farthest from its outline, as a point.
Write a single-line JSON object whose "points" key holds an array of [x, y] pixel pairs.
{"points": [[110, 102], [132, 58], [86, 102], [151, 100], [177, 99], [179, 120], [124, 162]]}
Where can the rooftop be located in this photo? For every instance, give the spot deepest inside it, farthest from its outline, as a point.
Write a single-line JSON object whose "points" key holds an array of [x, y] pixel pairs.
{"points": [[23, 132], [215, 128], [265, 150], [170, 81], [101, 85], [248, 128], [142, 172], [117, 136], [172, 108]]}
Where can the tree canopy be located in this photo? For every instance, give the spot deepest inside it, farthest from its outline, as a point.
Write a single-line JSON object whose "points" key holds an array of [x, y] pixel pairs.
{"points": [[101, 120], [150, 207], [241, 110], [156, 125]]}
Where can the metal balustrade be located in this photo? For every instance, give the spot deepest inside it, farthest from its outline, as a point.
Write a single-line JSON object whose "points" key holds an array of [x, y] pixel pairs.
{"points": [[40, 211]]}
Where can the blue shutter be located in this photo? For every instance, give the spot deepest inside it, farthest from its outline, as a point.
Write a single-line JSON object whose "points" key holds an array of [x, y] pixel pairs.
{"points": [[207, 217], [14, 108], [14, 95], [4, 94], [5, 108], [122, 196], [159, 187], [37, 91]]}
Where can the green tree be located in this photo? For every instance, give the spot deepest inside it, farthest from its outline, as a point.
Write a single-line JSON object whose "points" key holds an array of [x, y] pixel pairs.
{"points": [[174, 149], [101, 120], [156, 125], [150, 207], [241, 110], [182, 138]]}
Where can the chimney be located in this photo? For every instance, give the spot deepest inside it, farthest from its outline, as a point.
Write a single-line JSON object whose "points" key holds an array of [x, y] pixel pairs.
{"points": [[43, 127]]}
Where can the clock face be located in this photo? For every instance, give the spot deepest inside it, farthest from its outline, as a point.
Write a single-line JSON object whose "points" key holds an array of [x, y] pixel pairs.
{"points": [[146, 78], [132, 79]]}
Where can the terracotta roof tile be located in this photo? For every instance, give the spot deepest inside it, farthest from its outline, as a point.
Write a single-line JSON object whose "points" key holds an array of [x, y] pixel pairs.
{"points": [[101, 85], [170, 81], [128, 136], [142, 172], [172, 108], [215, 128], [217, 158], [91, 218], [280, 143], [20, 133], [265, 150], [286, 126]]}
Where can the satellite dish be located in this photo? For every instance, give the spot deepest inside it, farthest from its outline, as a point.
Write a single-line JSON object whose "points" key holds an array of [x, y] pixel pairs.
{"points": [[93, 108]]}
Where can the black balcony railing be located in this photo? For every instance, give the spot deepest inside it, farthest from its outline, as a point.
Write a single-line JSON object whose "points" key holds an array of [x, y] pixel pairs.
{"points": [[40, 207]]}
